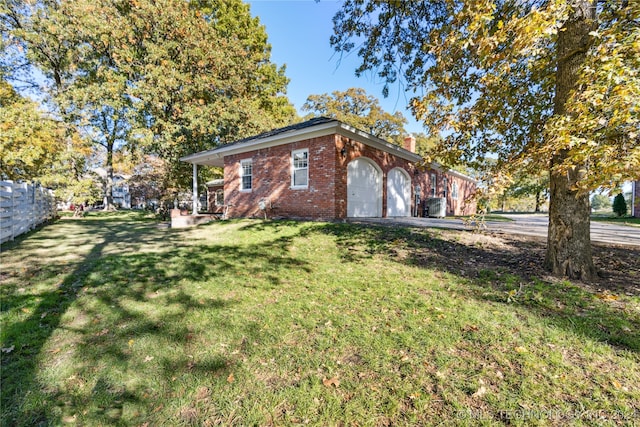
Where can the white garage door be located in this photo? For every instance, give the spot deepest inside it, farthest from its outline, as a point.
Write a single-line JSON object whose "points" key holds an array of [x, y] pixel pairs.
{"points": [[398, 193], [364, 189]]}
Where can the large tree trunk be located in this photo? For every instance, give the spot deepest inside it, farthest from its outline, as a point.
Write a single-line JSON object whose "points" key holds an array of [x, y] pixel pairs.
{"points": [[569, 238], [108, 196]]}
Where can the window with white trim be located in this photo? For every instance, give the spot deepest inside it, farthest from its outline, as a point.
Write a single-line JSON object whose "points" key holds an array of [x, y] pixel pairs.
{"points": [[444, 184], [300, 168], [219, 198], [246, 175], [454, 190], [433, 185]]}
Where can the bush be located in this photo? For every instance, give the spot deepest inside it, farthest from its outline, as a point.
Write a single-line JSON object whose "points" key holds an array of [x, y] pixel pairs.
{"points": [[619, 205]]}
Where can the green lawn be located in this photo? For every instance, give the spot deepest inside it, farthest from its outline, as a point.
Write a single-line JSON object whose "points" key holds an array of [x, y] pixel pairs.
{"points": [[625, 220], [113, 320]]}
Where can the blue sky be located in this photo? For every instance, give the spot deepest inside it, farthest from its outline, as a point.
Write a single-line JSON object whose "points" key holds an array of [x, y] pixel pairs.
{"points": [[299, 34]]}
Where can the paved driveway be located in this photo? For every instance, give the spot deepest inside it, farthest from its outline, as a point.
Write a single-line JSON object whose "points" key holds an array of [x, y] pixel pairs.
{"points": [[525, 224]]}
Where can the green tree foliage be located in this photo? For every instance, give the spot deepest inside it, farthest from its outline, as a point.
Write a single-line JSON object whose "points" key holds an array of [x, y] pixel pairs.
{"points": [[169, 76], [543, 84], [600, 202], [30, 141], [359, 110], [528, 184], [619, 205], [426, 143]]}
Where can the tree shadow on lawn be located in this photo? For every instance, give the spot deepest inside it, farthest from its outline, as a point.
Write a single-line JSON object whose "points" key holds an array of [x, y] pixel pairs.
{"points": [[26, 338], [510, 271], [134, 285]]}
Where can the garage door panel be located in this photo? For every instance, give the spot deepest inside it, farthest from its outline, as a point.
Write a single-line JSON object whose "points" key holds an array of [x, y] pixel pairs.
{"points": [[364, 189], [398, 194]]}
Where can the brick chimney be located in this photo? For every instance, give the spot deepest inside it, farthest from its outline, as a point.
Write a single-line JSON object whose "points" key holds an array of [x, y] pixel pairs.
{"points": [[410, 143]]}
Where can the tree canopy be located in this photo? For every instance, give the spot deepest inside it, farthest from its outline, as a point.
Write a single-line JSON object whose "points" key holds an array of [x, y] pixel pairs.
{"points": [[360, 110], [543, 84], [483, 71], [166, 77], [30, 142]]}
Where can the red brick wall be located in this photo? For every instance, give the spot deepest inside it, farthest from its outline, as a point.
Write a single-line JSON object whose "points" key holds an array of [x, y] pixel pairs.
{"points": [[386, 162], [326, 195], [272, 180], [463, 205], [211, 198]]}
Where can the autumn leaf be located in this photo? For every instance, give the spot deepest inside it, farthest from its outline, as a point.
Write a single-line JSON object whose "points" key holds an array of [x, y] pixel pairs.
{"points": [[480, 392], [331, 382], [148, 359], [618, 386], [131, 343], [606, 296], [471, 328], [231, 378], [520, 349]]}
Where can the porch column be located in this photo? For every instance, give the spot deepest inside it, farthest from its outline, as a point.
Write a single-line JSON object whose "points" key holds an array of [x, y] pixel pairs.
{"points": [[195, 189]]}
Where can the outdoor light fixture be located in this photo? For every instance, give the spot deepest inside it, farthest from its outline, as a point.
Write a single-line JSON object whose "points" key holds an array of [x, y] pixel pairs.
{"points": [[343, 152]]}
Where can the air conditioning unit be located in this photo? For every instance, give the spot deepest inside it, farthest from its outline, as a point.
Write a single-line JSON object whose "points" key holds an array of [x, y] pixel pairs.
{"points": [[437, 207]]}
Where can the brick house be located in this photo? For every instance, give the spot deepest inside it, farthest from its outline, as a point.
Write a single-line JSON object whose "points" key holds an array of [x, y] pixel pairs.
{"points": [[326, 169]]}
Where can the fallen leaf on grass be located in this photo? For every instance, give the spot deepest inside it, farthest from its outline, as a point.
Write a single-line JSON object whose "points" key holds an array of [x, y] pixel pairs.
{"points": [[8, 349], [480, 392], [331, 382], [148, 359], [131, 343], [102, 332], [520, 349], [605, 296], [231, 378]]}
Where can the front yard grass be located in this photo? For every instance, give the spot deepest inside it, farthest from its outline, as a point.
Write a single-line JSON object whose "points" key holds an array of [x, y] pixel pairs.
{"points": [[113, 320]]}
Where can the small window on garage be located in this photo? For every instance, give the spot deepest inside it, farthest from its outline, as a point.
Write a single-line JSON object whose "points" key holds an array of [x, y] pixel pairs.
{"points": [[444, 184], [246, 175], [454, 190], [219, 199], [300, 168]]}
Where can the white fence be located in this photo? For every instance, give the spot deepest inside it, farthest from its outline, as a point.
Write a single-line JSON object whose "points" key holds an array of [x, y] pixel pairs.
{"points": [[22, 207]]}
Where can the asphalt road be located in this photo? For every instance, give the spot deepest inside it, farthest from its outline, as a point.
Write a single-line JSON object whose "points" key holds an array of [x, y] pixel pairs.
{"points": [[524, 224]]}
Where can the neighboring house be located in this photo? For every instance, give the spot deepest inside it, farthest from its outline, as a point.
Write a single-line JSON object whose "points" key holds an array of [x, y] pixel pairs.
{"points": [[326, 169], [120, 190]]}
